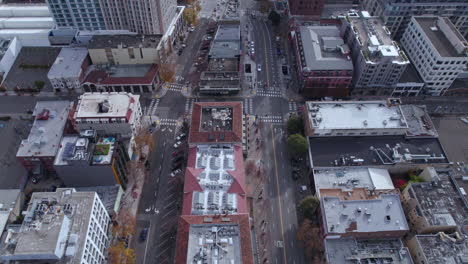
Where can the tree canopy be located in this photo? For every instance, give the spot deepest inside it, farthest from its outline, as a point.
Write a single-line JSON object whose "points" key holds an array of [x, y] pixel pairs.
{"points": [[295, 125], [297, 144], [274, 17], [308, 206]]}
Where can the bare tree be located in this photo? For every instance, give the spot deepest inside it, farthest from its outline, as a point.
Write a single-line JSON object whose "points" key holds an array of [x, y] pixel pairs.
{"points": [[310, 237]]}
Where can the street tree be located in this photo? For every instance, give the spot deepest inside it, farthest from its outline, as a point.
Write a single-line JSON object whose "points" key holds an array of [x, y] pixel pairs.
{"points": [[309, 236], [274, 17], [167, 72], [265, 6], [123, 230], [297, 144], [295, 125], [308, 206]]}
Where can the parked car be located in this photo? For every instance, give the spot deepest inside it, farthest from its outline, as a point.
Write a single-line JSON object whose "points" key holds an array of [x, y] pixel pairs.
{"points": [[177, 144], [176, 153], [181, 136], [144, 234], [174, 173], [178, 159], [180, 52], [176, 166], [191, 29]]}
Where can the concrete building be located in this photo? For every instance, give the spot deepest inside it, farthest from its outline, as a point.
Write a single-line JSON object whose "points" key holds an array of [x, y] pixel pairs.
{"points": [[142, 16], [11, 202], [214, 181], [124, 49], [324, 61], [353, 183], [397, 14], [438, 248], [86, 160], [376, 218], [378, 60], [77, 14], [51, 119], [222, 75], [216, 123], [9, 50], [108, 113], [436, 205], [312, 8], [349, 250], [438, 51], [62, 227], [111, 196], [68, 71], [216, 239], [29, 22]]}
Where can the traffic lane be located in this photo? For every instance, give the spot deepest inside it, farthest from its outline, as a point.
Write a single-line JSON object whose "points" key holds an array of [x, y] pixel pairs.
{"points": [[259, 54], [271, 49], [272, 106]]}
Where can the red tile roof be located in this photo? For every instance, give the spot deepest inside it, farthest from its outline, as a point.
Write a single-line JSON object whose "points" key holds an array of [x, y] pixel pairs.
{"points": [[233, 136], [100, 77], [183, 232], [191, 183]]}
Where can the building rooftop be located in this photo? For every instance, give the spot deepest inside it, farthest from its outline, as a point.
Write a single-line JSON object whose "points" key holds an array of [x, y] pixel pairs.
{"points": [[323, 49], [348, 179], [50, 118], [8, 199], [355, 115], [419, 122], [124, 41], [374, 151], [215, 181], [68, 63], [202, 239], [350, 251], [410, 75], [443, 35], [52, 221], [375, 215], [441, 250], [226, 43], [143, 74], [4, 45], [97, 105], [440, 201], [77, 148], [377, 44], [216, 122], [110, 196]]}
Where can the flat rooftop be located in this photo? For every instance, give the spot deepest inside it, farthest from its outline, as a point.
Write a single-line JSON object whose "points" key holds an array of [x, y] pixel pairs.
{"points": [[348, 179], [224, 65], [202, 239], [109, 195], [350, 251], [68, 63], [226, 43], [323, 49], [216, 122], [440, 202], [419, 122], [355, 115], [375, 38], [76, 148], [50, 118], [98, 105], [124, 41], [438, 37], [143, 74], [214, 180], [375, 150], [375, 215], [439, 250]]}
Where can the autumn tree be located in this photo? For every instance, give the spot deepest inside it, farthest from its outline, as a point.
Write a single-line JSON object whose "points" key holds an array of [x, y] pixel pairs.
{"points": [[308, 206], [167, 72], [310, 237], [265, 6], [123, 230]]}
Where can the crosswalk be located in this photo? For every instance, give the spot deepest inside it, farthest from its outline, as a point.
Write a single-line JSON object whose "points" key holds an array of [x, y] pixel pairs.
{"points": [[292, 106], [269, 93], [175, 87], [271, 119], [189, 105], [248, 106], [252, 12], [168, 122], [151, 109]]}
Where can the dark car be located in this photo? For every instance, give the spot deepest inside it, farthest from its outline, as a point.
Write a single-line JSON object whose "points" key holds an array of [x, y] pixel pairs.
{"points": [[178, 159], [176, 166], [180, 52], [144, 234], [176, 153], [278, 51]]}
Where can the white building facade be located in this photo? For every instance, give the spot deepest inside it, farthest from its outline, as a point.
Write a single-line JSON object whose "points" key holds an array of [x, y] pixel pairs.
{"points": [[437, 50], [68, 70]]}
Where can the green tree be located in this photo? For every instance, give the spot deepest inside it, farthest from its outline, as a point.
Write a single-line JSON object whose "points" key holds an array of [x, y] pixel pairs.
{"points": [[308, 206], [39, 85], [295, 125], [297, 144], [274, 17]]}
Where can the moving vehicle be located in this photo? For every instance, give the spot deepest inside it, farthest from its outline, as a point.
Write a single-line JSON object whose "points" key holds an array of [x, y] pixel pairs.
{"points": [[174, 173], [259, 67]]}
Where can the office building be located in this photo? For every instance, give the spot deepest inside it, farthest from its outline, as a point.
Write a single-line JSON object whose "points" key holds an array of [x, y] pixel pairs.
{"points": [[87, 160], [324, 61], [397, 14], [77, 14], [60, 227], [68, 71], [51, 119], [437, 50], [311, 8], [382, 217], [378, 60], [108, 113]]}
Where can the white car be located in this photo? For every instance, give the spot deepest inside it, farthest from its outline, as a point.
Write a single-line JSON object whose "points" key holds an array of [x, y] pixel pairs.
{"points": [[259, 67], [177, 144], [181, 136], [191, 29], [174, 173]]}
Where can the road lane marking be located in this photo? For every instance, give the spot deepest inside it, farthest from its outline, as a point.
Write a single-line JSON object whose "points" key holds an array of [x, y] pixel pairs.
{"points": [[146, 247], [278, 189], [266, 59]]}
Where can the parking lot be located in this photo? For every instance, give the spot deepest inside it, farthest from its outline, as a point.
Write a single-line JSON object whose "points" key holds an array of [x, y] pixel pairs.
{"points": [[453, 137]]}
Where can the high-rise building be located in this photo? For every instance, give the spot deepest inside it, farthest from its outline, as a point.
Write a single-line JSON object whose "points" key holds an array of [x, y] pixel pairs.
{"points": [[438, 51], [306, 7], [378, 60], [141, 16], [397, 13]]}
